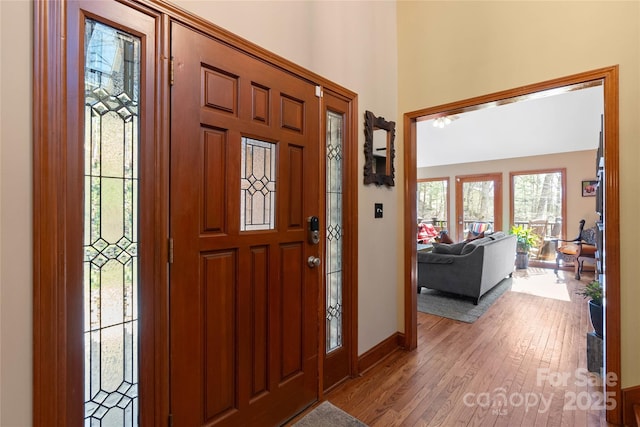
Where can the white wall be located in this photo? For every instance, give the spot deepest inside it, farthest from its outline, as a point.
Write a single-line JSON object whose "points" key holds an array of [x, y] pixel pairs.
{"points": [[352, 43], [15, 221]]}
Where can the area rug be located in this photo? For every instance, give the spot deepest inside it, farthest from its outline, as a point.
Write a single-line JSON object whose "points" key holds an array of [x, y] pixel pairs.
{"points": [[327, 415], [455, 307]]}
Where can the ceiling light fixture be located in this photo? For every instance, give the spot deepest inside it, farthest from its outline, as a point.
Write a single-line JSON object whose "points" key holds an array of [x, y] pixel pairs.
{"points": [[443, 121]]}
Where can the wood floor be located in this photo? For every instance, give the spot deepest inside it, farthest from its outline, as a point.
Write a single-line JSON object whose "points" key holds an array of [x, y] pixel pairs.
{"points": [[527, 349]]}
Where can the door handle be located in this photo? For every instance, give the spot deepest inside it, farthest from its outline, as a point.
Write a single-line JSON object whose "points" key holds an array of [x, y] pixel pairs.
{"points": [[313, 261]]}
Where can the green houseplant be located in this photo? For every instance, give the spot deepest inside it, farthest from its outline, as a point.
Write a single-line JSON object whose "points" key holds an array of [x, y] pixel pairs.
{"points": [[594, 291], [525, 238]]}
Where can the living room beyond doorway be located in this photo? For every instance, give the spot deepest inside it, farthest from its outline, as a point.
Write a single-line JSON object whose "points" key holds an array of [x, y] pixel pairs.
{"points": [[605, 77]]}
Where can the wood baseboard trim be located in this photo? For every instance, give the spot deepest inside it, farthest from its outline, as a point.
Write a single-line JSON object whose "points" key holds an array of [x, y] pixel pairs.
{"points": [[402, 339], [335, 386], [379, 352], [631, 406]]}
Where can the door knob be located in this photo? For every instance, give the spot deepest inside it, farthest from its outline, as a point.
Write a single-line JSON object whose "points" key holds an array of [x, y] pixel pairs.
{"points": [[313, 261]]}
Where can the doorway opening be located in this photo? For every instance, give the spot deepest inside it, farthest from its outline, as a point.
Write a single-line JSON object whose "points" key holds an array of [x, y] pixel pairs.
{"points": [[608, 79]]}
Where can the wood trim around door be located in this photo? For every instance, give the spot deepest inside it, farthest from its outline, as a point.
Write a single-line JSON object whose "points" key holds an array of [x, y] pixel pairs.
{"points": [[609, 76], [50, 354], [334, 101], [58, 205], [55, 337]]}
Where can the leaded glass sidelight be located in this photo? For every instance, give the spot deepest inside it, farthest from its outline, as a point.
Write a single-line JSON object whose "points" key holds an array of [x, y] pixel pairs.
{"points": [[257, 185], [334, 231], [111, 122]]}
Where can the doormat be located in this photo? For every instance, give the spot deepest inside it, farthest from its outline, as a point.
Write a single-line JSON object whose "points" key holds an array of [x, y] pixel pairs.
{"points": [[327, 415], [457, 307]]}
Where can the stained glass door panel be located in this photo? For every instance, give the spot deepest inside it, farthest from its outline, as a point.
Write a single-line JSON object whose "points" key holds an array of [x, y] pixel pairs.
{"points": [[333, 279], [111, 100], [338, 230]]}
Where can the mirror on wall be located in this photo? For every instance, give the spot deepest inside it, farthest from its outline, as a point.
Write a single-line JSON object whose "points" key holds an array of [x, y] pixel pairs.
{"points": [[379, 150]]}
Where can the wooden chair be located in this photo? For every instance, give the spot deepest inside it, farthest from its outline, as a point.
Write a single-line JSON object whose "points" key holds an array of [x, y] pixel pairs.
{"points": [[556, 228], [539, 228], [577, 250]]}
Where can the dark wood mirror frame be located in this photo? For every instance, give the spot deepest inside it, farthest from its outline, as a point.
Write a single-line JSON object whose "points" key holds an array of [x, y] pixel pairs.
{"points": [[372, 174]]}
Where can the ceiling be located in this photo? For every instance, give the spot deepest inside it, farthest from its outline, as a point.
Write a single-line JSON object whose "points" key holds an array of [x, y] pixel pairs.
{"points": [[554, 121]]}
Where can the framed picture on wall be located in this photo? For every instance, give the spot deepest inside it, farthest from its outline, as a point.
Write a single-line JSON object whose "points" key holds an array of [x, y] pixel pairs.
{"points": [[589, 188]]}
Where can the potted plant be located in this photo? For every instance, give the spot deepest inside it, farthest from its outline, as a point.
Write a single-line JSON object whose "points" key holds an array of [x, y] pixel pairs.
{"points": [[594, 291], [525, 238]]}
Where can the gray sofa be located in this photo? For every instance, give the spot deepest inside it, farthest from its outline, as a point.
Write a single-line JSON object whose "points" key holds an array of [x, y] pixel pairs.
{"points": [[469, 269]]}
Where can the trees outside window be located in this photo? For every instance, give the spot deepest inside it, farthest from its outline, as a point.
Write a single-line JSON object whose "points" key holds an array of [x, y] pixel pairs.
{"points": [[538, 195], [433, 201], [478, 204]]}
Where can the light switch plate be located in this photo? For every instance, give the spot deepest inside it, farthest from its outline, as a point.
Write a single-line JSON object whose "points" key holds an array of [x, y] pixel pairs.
{"points": [[378, 210]]}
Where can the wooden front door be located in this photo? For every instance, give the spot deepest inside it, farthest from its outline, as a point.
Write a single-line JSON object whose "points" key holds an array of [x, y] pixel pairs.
{"points": [[244, 179]]}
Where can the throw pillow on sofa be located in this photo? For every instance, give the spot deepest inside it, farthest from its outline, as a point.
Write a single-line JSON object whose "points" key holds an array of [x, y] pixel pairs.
{"points": [[443, 237], [471, 237], [470, 246], [448, 248]]}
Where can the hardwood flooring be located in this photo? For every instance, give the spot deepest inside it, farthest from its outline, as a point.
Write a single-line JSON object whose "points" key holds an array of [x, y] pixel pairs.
{"points": [[523, 363]]}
